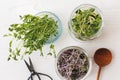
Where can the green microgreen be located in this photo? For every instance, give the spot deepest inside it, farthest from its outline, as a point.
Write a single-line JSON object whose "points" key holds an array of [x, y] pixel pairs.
{"points": [[86, 23], [32, 33]]}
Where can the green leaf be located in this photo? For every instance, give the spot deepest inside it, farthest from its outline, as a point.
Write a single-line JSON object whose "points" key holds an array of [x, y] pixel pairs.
{"points": [[9, 57], [52, 46], [10, 43], [6, 35], [49, 53], [10, 49], [17, 52]]}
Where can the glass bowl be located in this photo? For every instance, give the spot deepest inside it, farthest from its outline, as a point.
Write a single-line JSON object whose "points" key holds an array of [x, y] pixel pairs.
{"points": [[73, 62], [86, 22], [56, 18]]}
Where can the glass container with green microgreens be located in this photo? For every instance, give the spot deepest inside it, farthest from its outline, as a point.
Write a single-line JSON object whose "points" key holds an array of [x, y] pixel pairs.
{"points": [[85, 22]]}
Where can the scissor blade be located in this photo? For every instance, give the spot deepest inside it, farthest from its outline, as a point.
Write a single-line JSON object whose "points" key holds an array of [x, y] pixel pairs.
{"points": [[31, 65], [28, 66]]}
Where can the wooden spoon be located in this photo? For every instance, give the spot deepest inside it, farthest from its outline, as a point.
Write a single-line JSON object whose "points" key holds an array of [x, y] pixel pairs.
{"points": [[102, 58]]}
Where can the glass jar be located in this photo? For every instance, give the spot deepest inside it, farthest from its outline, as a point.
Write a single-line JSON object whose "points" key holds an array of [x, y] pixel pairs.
{"points": [[86, 22], [59, 23], [82, 61]]}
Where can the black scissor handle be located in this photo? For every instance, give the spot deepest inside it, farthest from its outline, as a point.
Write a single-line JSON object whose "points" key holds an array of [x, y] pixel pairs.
{"points": [[38, 75], [45, 75], [33, 74]]}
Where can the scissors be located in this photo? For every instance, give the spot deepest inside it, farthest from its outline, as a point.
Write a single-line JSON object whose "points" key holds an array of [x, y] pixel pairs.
{"points": [[33, 72]]}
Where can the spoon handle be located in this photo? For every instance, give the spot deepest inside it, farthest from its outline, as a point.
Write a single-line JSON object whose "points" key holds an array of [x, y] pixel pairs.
{"points": [[99, 73]]}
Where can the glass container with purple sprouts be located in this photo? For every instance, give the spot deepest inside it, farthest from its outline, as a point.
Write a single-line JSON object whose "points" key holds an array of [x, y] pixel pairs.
{"points": [[73, 63]]}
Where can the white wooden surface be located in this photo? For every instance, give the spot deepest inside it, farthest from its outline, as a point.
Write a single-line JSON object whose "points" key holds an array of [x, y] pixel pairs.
{"points": [[110, 38]]}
